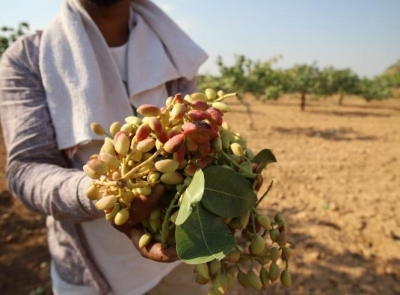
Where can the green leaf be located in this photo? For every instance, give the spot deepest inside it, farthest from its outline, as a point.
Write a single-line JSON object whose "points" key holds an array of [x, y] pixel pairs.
{"points": [[263, 158], [227, 193], [203, 237], [191, 197]]}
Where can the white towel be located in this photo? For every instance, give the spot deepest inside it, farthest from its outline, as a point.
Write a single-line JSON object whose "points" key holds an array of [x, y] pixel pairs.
{"points": [[82, 82]]}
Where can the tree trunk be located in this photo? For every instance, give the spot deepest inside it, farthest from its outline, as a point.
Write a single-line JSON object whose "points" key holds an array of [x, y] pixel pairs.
{"points": [[303, 101], [341, 97], [248, 111]]}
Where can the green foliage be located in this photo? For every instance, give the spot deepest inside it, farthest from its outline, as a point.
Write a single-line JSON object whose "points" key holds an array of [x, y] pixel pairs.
{"points": [[203, 237], [262, 79], [273, 92], [191, 197], [233, 77], [261, 75], [338, 81], [227, 193], [343, 82], [215, 194], [244, 76], [208, 81], [377, 88], [303, 79], [202, 234], [9, 35], [263, 158], [392, 77]]}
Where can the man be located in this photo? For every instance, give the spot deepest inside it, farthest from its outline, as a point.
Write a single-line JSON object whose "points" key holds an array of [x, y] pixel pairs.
{"points": [[96, 61]]}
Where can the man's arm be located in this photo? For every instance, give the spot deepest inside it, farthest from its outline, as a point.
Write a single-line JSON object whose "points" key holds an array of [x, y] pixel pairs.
{"points": [[37, 172]]}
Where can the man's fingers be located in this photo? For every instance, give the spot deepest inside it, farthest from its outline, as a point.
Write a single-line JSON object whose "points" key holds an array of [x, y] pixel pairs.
{"points": [[153, 251], [139, 210], [143, 205]]}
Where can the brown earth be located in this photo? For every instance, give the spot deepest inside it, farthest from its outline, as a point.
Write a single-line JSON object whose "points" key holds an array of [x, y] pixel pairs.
{"points": [[337, 182]]}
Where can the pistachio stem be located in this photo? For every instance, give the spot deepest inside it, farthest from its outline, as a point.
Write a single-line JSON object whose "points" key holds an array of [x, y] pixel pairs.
{"points": [[264, 233], [264, 194], [252, 257], [109, 135], [244, 172], [253, 222], [144, 173], [226, 96], [103, 183], [131, 173], [164, 227], [114, 183]]}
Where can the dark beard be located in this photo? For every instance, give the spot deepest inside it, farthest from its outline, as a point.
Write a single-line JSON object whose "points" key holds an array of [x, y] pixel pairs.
{"points": [[104, 3]]}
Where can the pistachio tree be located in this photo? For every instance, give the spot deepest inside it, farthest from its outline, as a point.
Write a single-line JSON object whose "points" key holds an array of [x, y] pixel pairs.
{"points": [[303, 79], [342, 82]]}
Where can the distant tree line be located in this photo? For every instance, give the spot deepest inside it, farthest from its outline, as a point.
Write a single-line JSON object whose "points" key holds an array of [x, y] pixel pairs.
{"points": [[265, 82]]}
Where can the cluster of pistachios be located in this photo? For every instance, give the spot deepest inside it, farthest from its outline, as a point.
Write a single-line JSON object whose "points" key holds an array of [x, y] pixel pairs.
{"points": [[254, 266], [168, 145]]}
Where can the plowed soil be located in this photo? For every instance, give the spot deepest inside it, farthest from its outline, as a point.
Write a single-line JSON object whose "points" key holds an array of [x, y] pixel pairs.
{"points": [[337, 182]]}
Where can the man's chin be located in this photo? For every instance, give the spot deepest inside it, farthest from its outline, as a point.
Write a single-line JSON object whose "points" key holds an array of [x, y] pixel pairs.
{"points": [[104, 3]]}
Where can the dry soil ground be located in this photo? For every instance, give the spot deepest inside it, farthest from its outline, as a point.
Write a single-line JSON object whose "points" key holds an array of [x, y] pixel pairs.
{"points": [[337, 181]]}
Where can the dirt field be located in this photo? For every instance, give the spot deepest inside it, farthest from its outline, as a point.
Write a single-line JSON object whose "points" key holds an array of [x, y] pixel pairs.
{"points": [[337, 181]]}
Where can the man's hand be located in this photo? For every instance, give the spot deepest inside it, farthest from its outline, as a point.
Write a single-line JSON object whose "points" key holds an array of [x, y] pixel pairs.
{"points": [[139, 210], [153, 251]]}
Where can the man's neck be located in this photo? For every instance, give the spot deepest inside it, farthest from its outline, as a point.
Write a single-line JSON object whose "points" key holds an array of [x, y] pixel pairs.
{"points": [[112, 21]]}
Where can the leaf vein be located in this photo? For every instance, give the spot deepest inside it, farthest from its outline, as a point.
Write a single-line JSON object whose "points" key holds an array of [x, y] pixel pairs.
{"points": [[224, 193], [203, 235]]}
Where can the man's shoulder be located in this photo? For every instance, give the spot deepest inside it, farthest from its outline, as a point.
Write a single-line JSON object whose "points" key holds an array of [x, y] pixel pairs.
{"points": [[24, 51]]}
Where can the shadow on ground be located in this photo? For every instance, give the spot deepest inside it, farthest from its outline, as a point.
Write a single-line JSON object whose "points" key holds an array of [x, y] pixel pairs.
{"points": [[349, 113], [337, 134]]}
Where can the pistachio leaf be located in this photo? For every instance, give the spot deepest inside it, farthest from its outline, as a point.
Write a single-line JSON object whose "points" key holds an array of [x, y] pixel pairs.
{"points": [[263, 158], [227, 193], [191, 197], [203, 237]]}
